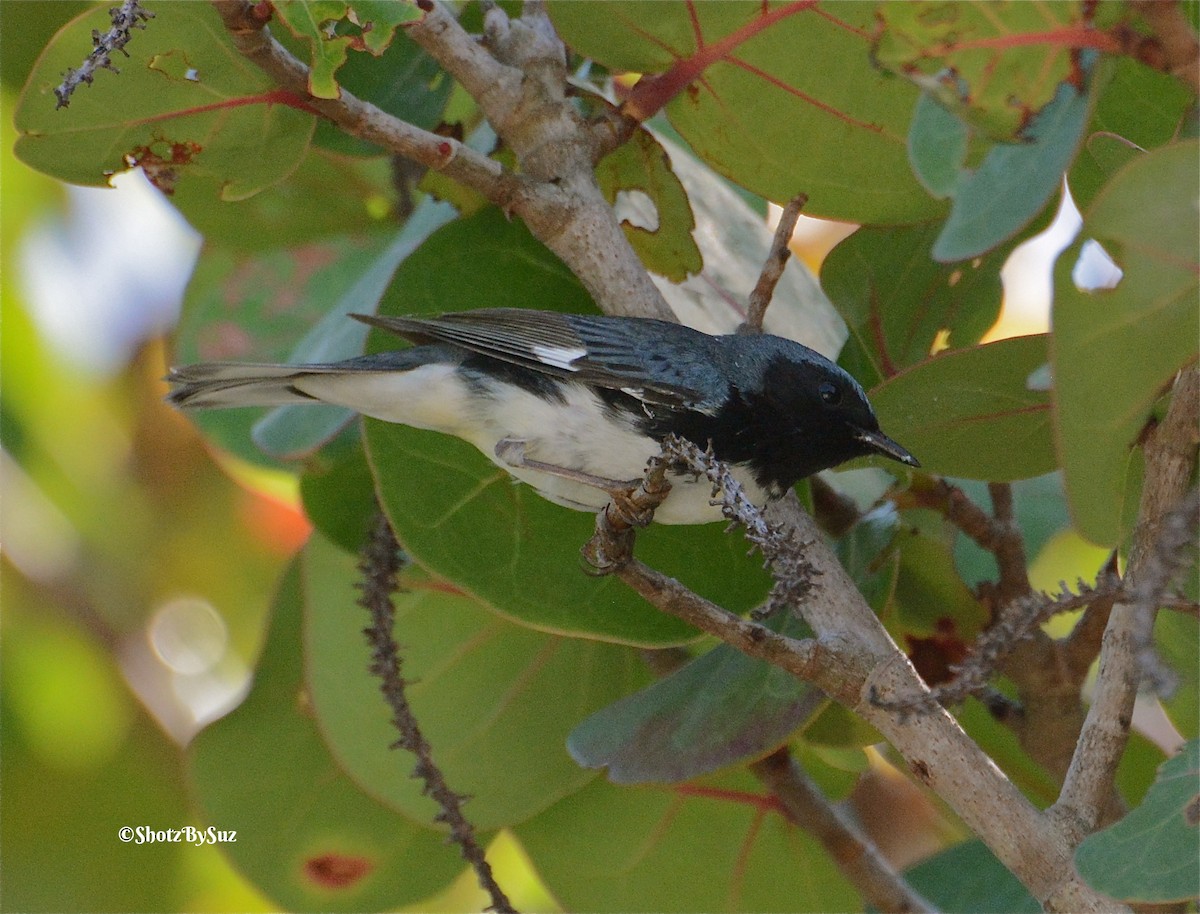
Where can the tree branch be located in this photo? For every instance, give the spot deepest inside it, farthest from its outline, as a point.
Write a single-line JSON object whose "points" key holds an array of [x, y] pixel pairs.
{"points": [[854, 660], [1170, 462], [126, 17], [854, 853], [379, 565], [773, 267], [555, 194]]}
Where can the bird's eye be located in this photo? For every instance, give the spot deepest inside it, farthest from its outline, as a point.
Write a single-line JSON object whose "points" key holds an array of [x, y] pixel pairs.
{"points": [[830, 393]]}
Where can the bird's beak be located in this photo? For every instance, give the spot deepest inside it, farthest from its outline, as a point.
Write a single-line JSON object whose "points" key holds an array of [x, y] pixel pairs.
{"points": [[882, 444]]}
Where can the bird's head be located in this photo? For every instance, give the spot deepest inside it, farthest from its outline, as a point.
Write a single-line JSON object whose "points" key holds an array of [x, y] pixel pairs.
{"points": [[801, 413]]}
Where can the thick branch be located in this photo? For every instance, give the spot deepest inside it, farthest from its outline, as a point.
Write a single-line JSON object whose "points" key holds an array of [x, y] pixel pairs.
{"points": [[1170, 462]]}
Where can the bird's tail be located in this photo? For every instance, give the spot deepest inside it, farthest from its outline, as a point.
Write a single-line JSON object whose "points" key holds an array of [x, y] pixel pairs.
{"points": [[216, 385]]}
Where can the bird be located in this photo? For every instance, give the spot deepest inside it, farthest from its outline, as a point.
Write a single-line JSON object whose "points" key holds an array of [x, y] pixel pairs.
{"points": [[576, 405]]}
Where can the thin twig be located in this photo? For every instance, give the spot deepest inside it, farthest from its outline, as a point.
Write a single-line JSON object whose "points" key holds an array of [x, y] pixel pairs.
{"points": [[125, 18], [1017, 621], [1009, 544], [846, 843], [773, 266], [379, 565]]}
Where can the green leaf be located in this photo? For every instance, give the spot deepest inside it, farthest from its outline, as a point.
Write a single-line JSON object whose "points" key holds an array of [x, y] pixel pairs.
{"points": [[1150, 855], [721, 708], [333, 28], [491, 697], [970, 412], [937, 146], [1115, 350], [665, 246], [716, 845], [784, 98], [968, 877], [1177, 639], [1014, 182], [930, 599], [327, 196], [1139, 108], [306, 833], [979, 61], [898, 302], [186, 106], [339, 495]]}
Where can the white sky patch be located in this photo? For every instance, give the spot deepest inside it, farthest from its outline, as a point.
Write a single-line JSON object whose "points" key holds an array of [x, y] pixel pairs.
{"points": [[558, 357]]}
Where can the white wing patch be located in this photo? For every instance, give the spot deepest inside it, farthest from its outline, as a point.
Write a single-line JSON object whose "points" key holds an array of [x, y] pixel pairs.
{"points": [[558, 357]]}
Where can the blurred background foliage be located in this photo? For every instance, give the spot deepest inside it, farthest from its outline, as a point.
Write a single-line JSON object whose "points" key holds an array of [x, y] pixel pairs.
{"points": [[144, 565]]}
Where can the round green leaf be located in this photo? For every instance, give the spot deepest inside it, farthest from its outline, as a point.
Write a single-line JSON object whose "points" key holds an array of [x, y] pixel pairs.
{"points": [[495, 700], [1115, 350], [462, 517], [971, 412], [897, 301], [306, 833], [185, 105], [715, 845], [784, 98]]}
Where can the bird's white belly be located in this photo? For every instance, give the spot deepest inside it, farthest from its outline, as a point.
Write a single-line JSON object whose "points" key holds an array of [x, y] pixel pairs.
{"points": [[587, 438], [582, 435]]}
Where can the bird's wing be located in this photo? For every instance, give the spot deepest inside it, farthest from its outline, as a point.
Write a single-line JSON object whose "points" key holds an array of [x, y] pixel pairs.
{"points": [[653, 361]]}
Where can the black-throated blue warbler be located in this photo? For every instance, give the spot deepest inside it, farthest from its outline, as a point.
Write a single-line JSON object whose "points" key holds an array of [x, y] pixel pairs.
{"points": [[576, 405]]}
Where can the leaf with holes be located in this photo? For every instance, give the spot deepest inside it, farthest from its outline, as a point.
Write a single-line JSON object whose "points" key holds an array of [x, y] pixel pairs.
{"points": [[995, 65], [307, 835], [333, 28], [1115, 350], [778, 97], [973, 412], [664, 244], [1015, 181], [716, 845], [186, 107]]}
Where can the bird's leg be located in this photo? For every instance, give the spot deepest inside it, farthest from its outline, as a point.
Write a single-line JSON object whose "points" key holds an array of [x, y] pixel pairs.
{"points": [[512, 452]]}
